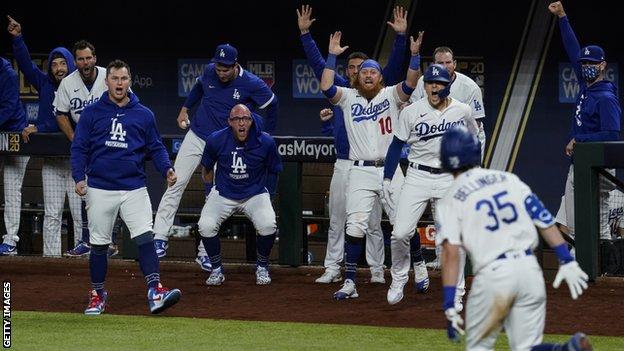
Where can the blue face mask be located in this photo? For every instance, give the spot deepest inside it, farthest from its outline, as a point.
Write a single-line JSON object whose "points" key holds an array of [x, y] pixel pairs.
{"points": [[590, 72]]}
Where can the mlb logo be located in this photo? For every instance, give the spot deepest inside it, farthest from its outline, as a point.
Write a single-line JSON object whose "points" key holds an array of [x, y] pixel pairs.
{"points": [[265, 70]]}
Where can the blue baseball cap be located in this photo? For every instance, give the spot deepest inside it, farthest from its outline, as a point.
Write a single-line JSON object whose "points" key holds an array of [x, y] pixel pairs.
{"points": [[437, 73], [592, 53], [225, 54]]}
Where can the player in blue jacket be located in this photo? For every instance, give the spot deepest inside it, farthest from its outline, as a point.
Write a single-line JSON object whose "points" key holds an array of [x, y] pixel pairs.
{"points": [[55, 171], [223, 84], [333, 125], [112, 140], [12, 119], [247, 166], [597, 113]]}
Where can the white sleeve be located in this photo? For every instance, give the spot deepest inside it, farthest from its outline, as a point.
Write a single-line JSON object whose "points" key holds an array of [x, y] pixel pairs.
{"points": [[343, 102], [419, 92], [447, 224], [471, 123], [61, 99], [476, 102], [540, 216], [402, 131]]}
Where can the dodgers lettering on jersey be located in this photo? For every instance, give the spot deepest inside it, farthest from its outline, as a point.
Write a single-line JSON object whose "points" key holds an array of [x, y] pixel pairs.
{"points": [[490, 212], [422, 127], [463, 89], [73, 96], [369, 123]]}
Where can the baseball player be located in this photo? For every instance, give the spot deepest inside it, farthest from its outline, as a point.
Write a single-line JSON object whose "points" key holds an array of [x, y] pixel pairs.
{"points": [[55, 171], [79, 89], [112, 140], [247, 166], [12, 119], [335, 127], [370, 112], [421, 125], [597, 113], [223, 85], [493, 215]]}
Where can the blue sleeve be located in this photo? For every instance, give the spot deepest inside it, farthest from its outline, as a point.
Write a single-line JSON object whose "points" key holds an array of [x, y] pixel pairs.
{"points": [[274, 160], [209, 157], [316, 60], [572, 47], [9, 95], [80, 147], [327, 127], [270, 122], [540, 216], [271, 183], [600, 136], [610, 114], [32, 73], [155, 148], [393, 72], [195, 95], [392, 157]]}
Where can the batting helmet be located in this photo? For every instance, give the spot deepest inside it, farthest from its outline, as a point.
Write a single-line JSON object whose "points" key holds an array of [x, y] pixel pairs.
{"points": [[459, 149], [437, 73]]}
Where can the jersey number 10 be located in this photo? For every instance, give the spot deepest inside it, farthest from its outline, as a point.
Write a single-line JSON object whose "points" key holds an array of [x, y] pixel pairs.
{"points": [[498, 208], [386, 125]]}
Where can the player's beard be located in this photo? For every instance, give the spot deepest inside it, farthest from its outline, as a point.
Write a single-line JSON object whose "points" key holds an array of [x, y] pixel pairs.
{"points": [[369, 94]]}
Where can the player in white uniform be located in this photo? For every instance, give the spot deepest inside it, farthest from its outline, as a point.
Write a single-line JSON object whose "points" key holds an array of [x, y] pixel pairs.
{"points": [[421, 125], [79, 89], [370, 112], [493, 215]]}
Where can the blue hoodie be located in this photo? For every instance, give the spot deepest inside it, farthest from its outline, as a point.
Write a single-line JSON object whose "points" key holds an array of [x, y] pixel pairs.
{"points": [[243, 169], [597, 113], [111, 143], [45, 84], [12, 115]]}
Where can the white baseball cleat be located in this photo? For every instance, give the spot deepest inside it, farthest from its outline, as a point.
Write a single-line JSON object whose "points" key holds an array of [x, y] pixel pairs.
{"points": [[329, 277], [262, 276], [421, 277], [347, 291], [377, 276], [216, 277], [395, 293]]}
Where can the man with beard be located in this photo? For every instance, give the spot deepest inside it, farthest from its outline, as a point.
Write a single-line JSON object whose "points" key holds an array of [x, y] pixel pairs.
{"points": [[370, 112], [597, 113], [77, 91], [333, 125], [247, 163], [55, 171], [421, 125]]}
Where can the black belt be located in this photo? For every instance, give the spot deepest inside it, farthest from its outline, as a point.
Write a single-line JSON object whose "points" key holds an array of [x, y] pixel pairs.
{"points": [[431, 170], [376, 163], [527, 252]]}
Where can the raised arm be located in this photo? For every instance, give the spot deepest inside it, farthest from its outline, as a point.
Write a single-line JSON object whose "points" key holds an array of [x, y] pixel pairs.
{"points": [[406, 89], [393, 72], [570, 43], [32, 73], [327, 80]]}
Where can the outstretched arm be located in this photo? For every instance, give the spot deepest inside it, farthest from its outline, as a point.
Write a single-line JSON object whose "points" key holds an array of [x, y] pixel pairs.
{"points": [[393, 72], [570, 43], [406, 89], [32, 73], [327, 80]]}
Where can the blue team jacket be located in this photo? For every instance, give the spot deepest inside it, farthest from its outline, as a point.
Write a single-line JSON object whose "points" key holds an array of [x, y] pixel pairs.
{"points": [[12, 115], [111, 143], [243, 169], [45, 83]]}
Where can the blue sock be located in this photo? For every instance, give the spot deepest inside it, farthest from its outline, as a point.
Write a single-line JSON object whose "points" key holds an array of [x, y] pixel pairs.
{"points": [[264, 244], [148, 260], [207, 188], [353, 249], [98, 265], [548, 347], [85, 222], [213, 250], [415, 249]]}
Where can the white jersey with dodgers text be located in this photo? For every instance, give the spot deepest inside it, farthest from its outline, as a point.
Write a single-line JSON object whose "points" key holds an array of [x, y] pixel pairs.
{"points": [[369, 123], [72, 95], [463, 89], [485, 212], [422, 126]]}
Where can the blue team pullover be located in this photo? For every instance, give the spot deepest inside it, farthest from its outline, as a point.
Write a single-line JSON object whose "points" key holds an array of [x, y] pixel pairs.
{"points": [[12, 115], [217, 99], [392, 73], [111, 143], [597, 113], [243, 169], [45, 83]]}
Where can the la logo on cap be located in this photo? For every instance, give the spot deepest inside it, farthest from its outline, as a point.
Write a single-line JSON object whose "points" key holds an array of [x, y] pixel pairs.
{"points": [[587, 51], [435, 71], [222, 54]]}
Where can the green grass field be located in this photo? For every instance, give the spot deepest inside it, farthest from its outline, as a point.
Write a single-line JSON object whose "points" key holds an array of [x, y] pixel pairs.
{"points": [[73, 331]]}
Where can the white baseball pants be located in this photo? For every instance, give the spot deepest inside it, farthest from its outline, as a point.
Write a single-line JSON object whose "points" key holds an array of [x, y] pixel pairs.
{"points": [[14, 170]]}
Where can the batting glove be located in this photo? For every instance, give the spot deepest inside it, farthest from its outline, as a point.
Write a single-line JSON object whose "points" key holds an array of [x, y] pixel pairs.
{"points": [[454, 324], [387, 198], [573, 276]]}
